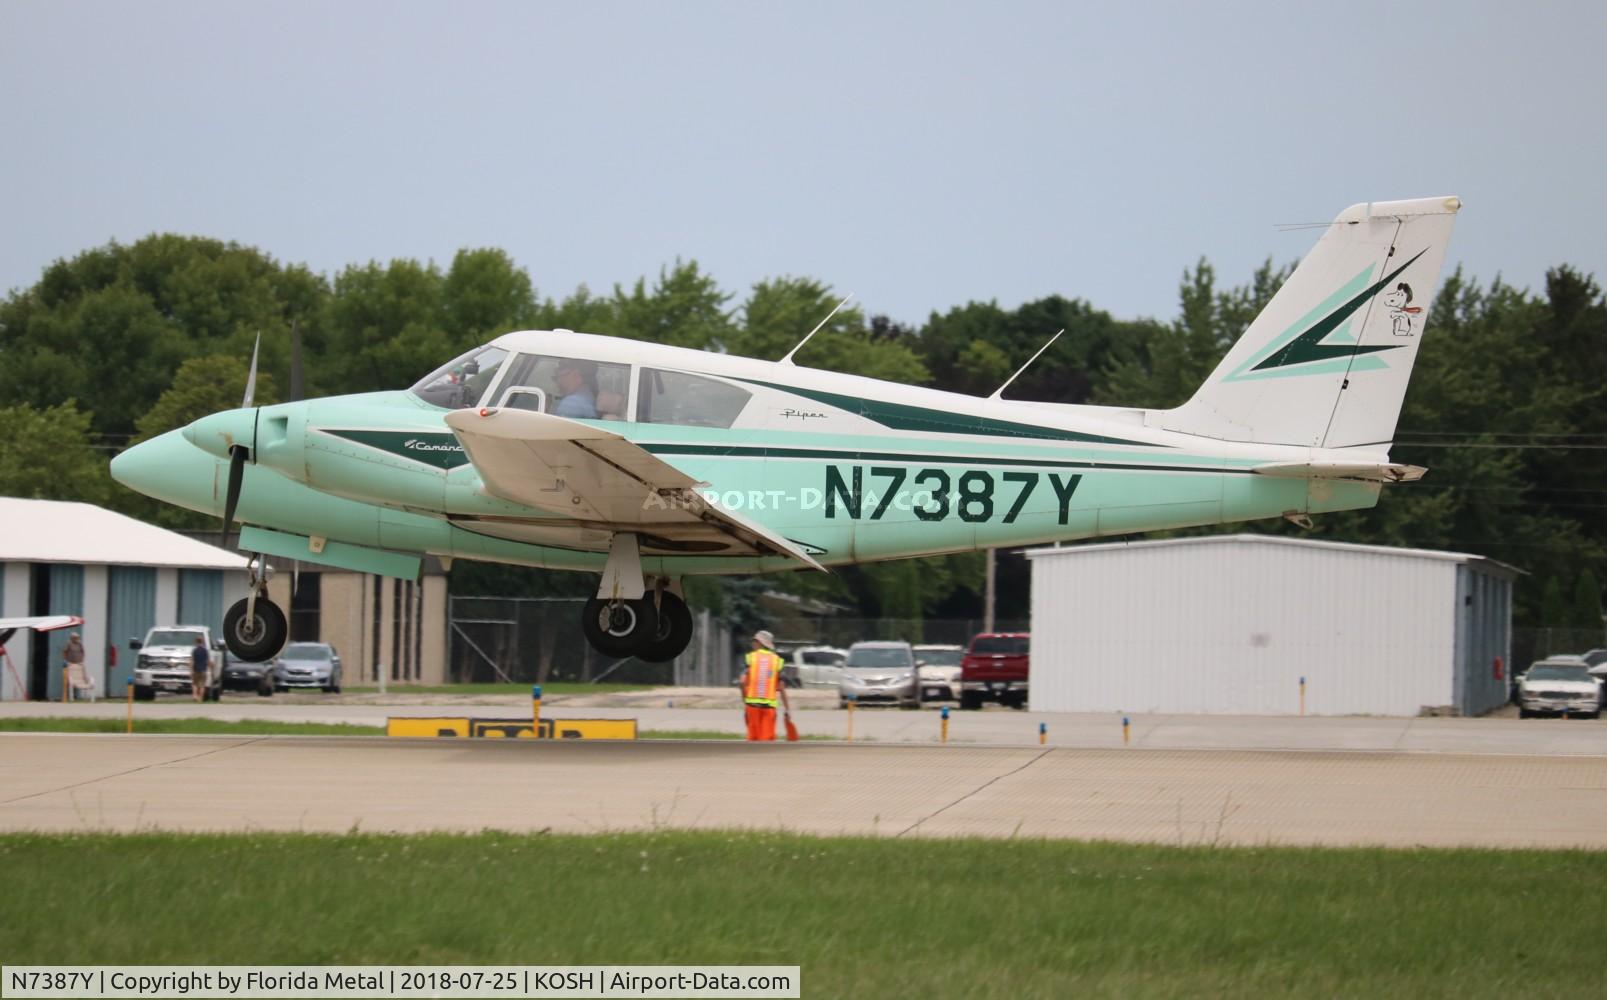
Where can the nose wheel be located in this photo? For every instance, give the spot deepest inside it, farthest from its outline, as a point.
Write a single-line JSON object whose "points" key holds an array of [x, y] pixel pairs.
{"points": [[254, 629]]}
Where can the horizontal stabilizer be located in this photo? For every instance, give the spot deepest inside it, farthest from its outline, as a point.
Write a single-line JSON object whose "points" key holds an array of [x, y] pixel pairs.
{"points": [[1371, 472]]}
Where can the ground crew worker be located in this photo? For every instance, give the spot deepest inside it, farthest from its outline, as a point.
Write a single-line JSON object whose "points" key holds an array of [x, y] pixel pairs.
{"points": [[761, 684]]}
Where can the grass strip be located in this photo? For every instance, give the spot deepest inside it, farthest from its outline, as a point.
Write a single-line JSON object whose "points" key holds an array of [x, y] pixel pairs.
{"points": [[862, 916], [213, 727]]}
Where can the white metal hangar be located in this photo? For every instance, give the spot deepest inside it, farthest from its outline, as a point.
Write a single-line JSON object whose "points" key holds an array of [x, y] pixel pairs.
{"points": [[1266, 625], [120, 575]]}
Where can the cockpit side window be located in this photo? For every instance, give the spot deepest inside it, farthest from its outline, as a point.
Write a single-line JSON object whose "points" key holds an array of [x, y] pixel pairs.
{"points": [[462, 381], [666, 397], [566, 387]]}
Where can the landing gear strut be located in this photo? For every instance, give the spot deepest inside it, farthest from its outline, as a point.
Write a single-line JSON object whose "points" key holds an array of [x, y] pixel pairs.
{"points": [[255, 629], [632, 617]]}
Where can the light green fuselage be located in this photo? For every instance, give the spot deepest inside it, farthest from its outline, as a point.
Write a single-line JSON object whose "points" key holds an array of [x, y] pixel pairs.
{"points": [[383, 471]]}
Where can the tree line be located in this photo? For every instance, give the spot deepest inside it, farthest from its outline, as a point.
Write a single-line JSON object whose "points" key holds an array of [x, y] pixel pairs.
{"points": [[123, 342]]}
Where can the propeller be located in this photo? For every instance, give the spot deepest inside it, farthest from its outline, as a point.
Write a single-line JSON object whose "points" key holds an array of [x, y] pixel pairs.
{"points": [[297, 383], [239, 453]]}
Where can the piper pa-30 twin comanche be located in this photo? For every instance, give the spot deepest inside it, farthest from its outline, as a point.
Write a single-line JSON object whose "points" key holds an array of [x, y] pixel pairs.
{"points": [[646, 463]]}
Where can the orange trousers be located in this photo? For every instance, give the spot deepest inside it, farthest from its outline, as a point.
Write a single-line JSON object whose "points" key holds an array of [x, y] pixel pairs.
{"points": [[761, 722]]}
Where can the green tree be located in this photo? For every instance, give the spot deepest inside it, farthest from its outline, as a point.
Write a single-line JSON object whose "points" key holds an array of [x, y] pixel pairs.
{"points": [[1587, 603], [113, 324], [685, 308], [1553, 607], [485, 294], [385, 327], [48, 455]]}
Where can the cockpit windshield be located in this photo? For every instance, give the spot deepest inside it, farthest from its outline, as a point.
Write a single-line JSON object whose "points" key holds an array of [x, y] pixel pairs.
{"points": [[462, 381]]}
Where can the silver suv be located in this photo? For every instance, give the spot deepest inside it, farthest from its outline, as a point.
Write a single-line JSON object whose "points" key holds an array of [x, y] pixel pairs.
{"points": [[879, 671]]}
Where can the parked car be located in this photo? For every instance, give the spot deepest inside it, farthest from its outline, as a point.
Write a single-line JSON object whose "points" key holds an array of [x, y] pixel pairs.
{"points": [[995, 668], [253, 675], [308, 664], [164, 661], [1559, 687], [814, 667], [938, 668], [1596, 660], [879, 671]]}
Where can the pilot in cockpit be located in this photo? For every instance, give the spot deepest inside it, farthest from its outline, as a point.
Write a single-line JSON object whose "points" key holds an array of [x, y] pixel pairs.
{"points": [[577, 386]]}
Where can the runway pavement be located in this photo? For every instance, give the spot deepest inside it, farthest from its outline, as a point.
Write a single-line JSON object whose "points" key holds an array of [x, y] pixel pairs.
{"points": [[67, 782]]}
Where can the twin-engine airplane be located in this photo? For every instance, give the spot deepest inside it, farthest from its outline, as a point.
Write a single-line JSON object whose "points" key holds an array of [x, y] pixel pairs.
{"points": [[646, 463]]}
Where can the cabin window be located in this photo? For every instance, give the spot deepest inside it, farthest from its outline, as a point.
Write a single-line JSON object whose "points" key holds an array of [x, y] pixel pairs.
{"points": [[566, 387], [462, 381], [666, 397]]}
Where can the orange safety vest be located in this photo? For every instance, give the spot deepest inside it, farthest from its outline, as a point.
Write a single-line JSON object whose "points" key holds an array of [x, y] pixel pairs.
{"points": [[764, 678]]}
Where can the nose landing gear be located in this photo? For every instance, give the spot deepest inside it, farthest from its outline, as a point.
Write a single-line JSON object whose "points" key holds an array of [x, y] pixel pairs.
{"points": [[255, 628]]}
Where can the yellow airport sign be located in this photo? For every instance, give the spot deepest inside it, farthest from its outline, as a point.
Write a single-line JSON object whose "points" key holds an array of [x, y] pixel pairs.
{"points": [[513, 729]]}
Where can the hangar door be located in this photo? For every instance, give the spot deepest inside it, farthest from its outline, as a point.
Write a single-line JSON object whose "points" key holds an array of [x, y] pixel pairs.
{"points": [[201, 599], [130, 613]]}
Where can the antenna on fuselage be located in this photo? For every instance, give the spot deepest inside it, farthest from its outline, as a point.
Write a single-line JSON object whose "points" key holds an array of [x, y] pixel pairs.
{"points": [[999, 392], [788, 359]]}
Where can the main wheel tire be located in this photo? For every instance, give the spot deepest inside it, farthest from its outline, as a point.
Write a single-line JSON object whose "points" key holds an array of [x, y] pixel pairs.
{"points": [[619, 628], [259, 638], [674, 631]]}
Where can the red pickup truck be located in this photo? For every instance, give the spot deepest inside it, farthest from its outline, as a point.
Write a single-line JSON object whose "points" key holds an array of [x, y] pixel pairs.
{"points": [[995, 669]]}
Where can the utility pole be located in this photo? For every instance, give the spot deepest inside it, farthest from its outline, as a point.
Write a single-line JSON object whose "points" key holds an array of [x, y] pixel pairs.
{"points": [[987, 599]]}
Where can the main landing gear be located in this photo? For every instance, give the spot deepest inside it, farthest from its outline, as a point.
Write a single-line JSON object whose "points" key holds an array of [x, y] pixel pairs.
{"points": [[629, 617], [255, 628]]}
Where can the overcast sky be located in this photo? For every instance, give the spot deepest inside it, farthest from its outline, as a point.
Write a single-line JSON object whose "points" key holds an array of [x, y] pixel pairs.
{"points": [[920, 155]]}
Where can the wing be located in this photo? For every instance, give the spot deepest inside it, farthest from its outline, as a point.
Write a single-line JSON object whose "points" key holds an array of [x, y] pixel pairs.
{"points": [[42, 623], [597, 477]]}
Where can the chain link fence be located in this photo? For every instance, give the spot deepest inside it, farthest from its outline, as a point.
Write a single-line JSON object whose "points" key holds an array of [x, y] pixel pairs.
{"points": [[537, 640], [530, 640], [1531, 644]]}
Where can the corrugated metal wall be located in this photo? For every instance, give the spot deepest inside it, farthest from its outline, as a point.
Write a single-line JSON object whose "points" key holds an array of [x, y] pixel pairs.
{"points": [[1230, 627], [130, 613], [201, 599], [1484, 634]]}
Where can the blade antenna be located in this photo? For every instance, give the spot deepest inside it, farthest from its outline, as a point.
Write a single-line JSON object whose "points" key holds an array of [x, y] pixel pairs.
{"points": [[999, 392], [788, 359]]}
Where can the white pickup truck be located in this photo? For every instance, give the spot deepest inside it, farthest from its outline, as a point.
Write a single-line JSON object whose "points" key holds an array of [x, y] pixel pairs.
{"points": [[164, 661]]}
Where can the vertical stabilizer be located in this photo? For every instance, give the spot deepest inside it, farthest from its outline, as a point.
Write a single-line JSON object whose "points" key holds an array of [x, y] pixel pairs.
{"points": [[1326, 363]]}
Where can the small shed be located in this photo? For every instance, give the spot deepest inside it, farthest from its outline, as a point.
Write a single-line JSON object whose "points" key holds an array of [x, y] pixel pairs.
{"points": [[1267, 625], [121, 575]]}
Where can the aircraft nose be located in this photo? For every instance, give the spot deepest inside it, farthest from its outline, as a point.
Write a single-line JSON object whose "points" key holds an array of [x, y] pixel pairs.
{"points": [[217, 433], [167, 468]]}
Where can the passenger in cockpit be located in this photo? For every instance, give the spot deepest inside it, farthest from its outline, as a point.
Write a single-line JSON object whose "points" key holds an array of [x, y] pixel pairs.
{"points": [[577, 383]]}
